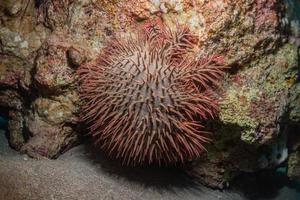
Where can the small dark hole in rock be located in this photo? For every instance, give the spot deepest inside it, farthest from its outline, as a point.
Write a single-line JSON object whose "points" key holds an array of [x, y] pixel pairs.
{"points": [[4, 119], [278, 156]]}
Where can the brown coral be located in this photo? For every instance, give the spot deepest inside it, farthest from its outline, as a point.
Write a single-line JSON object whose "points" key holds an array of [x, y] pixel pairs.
{"points": [[144, 100]]}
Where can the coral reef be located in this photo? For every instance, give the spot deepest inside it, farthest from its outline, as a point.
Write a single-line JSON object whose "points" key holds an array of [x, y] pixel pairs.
{"points": [[42, 43]]}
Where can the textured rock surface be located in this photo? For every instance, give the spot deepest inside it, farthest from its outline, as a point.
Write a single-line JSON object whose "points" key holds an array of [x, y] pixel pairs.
{"points": [[293, 8], [37, 82], [251, 133], [294, 136], [42, 44], [294, 165]]}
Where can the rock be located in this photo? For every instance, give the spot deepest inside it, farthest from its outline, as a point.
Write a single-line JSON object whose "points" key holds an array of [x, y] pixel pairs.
{"points": [[257, 99], [13, 7], [57, 109], [13, 44], [210, 174], [51, 123], [75, 57], [20, 18], [14, 102], [14, 73], [294, 104], [15, 127], [53, 74], [141, 12], [51, 143], [294, 166], [11, 99], [294, 130], [55, 14], [87, 29], [248, 136]]}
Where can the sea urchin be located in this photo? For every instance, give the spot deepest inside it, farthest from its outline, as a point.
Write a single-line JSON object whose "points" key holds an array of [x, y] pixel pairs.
{"points": [[144, 101]]}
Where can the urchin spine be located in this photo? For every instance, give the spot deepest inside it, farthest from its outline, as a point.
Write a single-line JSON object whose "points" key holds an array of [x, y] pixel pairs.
{"points": [[143, 103]]}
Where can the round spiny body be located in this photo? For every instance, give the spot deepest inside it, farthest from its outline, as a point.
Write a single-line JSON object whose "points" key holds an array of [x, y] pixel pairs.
{"points": [[142, 106]]}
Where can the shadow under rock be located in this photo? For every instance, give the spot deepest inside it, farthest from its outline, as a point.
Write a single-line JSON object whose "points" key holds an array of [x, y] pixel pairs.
{"points": [[158, 177], [4, 120], [267, 184]]}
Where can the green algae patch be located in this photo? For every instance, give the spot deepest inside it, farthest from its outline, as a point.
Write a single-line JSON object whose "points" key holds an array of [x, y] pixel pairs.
{"points": [[294, 165], [294, 104], [274, 72], [235, 109], [258, 94]]}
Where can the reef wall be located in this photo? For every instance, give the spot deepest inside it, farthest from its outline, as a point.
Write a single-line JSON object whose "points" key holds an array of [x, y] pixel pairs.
{"points": [[42, 43]]}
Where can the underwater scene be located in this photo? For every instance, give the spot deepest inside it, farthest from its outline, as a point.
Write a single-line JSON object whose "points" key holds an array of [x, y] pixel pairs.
{"points": [[149, 100]]}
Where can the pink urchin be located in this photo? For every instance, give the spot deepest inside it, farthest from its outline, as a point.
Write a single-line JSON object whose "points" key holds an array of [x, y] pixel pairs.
{"points": [[145, 101]]}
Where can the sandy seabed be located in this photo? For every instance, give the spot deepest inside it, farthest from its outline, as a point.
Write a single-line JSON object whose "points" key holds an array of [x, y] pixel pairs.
{"points": [[78, 175]]}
